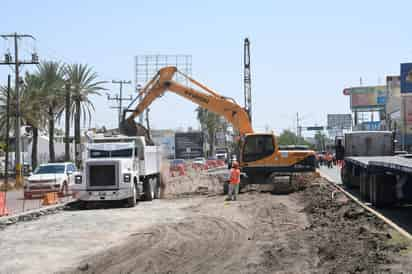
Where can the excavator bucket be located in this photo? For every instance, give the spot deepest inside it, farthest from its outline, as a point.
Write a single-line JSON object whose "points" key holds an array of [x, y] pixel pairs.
{"points": [[131, 128]]}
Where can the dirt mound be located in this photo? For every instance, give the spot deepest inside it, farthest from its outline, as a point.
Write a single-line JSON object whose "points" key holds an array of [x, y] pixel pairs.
{"points": [[348, 239], [196, 184]]}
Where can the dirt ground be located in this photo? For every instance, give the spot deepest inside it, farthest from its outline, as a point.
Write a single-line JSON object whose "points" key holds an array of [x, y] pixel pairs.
{"points": [[314, 230]]}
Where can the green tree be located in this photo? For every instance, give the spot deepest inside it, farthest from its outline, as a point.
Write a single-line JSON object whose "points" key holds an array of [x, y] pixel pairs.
{"points": [[83, 83], [209, 122], [288, 137], [30, 109], [320, 138], [52, 92], [35, 113]]}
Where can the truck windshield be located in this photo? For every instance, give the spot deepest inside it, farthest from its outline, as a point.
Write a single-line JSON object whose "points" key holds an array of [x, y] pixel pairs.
{"points": [[121, 153], [49, 169]]}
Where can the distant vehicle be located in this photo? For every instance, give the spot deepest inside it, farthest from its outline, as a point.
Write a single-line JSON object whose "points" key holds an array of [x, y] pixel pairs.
{"points": [[199, 160], [52, 177], [199, 163], [222, 154]]}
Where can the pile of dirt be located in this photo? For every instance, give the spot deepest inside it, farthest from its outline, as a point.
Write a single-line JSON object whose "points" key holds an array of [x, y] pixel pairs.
{"points": [[348, 238], [186, 186]]}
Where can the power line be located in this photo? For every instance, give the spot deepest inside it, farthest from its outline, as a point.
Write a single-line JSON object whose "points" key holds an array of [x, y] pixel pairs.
{"points": [[8, 60], [119, 98]]}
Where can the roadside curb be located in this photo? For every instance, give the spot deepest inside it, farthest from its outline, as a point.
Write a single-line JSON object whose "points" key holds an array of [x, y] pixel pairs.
{"points": [[371, 210], [31, 215]]}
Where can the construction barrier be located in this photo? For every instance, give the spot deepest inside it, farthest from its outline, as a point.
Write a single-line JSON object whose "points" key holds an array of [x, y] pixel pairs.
{"points": [[50, 198], [3, 208], [182, 171]]}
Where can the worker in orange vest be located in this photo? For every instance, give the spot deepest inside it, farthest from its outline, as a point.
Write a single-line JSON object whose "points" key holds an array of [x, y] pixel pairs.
{"points": [[234, 182]]}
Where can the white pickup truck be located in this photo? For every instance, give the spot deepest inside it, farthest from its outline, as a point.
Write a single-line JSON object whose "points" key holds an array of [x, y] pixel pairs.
{"points": [[119, 168]]}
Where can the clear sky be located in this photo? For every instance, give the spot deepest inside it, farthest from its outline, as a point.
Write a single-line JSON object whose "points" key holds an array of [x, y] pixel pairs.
{"points": [[303, 52]]}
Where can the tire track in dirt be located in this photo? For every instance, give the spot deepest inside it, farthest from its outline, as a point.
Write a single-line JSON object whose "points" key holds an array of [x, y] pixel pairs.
{"points": [[252, 235], [195, 244]]}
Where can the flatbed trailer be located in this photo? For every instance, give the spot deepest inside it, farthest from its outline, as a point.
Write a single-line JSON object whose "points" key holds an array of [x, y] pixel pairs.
{"points": [[382, 180]]}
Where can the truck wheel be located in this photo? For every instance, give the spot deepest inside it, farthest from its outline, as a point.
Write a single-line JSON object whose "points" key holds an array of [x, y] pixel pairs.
{"points": [[364, 186], [156, 187], [131, 202], [148, 190], [383, 190]]}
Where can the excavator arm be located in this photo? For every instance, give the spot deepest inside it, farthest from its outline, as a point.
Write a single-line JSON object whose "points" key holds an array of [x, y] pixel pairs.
{"points": [[205, 98]]}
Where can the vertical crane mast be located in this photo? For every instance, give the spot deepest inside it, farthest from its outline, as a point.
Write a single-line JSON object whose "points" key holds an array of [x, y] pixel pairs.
{"points": [[247, 79]]}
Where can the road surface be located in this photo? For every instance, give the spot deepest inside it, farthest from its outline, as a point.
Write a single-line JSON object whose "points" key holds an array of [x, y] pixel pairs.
{"points": [[304, 232]]}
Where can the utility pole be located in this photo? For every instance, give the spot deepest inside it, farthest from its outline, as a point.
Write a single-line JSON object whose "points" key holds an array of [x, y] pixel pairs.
{"points": [[247, 85], [119, 98], [6, 167], [148, 122], [17, 63], [67, 123], [298, 128]]}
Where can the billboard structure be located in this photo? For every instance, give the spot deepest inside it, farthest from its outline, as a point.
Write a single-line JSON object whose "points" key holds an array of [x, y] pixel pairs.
{"points": [[370, 97], [368, 105], [406, 78], [393, 101], [189, 145], [406, 104], [339, 121], [146, 66]]}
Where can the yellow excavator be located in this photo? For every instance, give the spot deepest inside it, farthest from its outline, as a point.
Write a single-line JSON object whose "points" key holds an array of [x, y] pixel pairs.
{"points": [[260, 157]]}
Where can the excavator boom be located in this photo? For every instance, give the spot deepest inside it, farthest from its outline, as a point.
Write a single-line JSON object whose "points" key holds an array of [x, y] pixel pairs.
{"points": [[206, 98], [260, 157]]}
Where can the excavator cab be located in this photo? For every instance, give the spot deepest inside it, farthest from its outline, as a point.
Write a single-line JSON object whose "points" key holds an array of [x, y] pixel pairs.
{"points": [[257, 147]]}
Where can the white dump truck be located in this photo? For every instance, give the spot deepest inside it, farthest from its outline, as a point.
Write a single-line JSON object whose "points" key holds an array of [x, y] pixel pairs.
{"points": [[118, 167]]}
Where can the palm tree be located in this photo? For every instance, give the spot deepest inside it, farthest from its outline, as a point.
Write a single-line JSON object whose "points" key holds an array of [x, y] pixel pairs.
{"points": [[34, 114], [83, 83], [209, 122], [52, 89], [30, 109]]}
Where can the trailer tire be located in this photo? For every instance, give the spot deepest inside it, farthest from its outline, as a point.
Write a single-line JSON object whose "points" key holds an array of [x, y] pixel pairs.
{"points": [[383, 190], [364, 188], [148, 190]]}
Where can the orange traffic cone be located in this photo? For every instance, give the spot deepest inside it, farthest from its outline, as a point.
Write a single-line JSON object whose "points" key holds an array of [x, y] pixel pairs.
{"points": [[51, 198]]}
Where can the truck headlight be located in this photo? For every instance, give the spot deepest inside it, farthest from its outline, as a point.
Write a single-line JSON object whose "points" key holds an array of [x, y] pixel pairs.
{"points": [[127, 177], [78, 179]]}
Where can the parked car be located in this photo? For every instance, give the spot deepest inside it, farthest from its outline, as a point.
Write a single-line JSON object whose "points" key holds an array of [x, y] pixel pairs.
{"points": [[52, 177]]}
